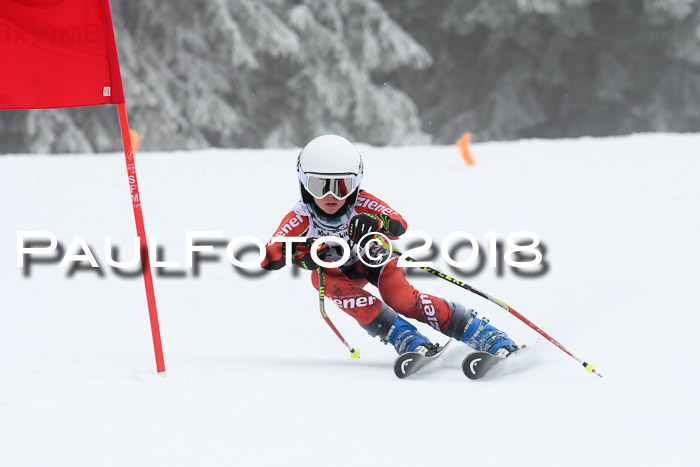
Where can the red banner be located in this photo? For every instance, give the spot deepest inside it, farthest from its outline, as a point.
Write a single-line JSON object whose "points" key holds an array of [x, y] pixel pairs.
{"points": [[57, 53]]}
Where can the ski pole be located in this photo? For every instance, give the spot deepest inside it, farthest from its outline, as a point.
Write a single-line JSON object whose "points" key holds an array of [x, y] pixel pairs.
{"points": [[590, 368], [354, 353]]}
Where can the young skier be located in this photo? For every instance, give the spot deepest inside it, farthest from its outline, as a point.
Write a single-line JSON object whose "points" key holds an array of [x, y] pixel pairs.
{"points": [[330, 172]]}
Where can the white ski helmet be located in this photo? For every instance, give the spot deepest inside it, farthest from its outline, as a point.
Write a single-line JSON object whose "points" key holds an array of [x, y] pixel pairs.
{"points": [[329, 164]]}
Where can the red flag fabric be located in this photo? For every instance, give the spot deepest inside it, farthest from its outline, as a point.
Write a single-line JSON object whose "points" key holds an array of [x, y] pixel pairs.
{"points": [[57, 53]]}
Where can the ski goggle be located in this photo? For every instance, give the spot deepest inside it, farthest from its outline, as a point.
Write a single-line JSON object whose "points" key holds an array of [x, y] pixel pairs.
{"points": [[340, 186]]}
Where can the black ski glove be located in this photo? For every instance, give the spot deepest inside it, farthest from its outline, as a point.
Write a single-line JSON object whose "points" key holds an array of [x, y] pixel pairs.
{"points": [[362, 224], [391, 227], [302, 255]]}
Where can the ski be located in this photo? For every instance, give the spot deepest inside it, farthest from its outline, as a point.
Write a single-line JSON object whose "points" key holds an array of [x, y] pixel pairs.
{"points": [[477, 364], [410, 362]]}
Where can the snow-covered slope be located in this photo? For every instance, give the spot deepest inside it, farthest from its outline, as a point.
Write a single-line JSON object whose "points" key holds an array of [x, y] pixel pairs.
{"points": [[255, 377]]}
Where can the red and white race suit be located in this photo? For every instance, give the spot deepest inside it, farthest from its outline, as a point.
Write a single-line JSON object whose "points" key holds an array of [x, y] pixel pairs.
{"points": [[345, 285]]}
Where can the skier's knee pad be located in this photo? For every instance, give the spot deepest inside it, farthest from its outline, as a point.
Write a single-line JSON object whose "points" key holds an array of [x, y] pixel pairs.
{"points": [[460, 320], [381, 325]]}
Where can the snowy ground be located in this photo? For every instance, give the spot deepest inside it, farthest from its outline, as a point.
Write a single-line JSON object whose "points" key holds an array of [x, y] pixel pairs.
{"points": [[256, 378]]}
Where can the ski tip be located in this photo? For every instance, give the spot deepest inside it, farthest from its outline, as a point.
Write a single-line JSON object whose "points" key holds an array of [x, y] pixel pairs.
{"points": [[477, 364], [354, 354], [403, 366]]}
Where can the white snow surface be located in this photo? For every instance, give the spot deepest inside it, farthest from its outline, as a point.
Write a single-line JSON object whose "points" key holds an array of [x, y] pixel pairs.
{"points": [[255, 376]]}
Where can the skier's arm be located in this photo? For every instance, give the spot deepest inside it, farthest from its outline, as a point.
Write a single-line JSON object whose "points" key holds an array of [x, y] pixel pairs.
{"points": [[293, 225]]}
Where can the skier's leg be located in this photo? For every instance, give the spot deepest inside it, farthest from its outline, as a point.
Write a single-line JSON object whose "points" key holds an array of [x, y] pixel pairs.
{"points": [[349, 295], [450, 318], [375, 316], [399, 294]]}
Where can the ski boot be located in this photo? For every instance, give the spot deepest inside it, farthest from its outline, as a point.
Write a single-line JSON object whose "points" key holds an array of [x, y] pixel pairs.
{"points": [[398, 332], [405, 338], [478, 333]]}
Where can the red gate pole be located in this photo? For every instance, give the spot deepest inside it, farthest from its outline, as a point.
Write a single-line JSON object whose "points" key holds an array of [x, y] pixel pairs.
{"points": [[141, 232]]}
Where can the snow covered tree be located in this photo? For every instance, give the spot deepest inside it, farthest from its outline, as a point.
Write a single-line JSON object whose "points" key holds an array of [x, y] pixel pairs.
{"points": [[518, 68], [329, 85], [252, 73], [247, 73]]}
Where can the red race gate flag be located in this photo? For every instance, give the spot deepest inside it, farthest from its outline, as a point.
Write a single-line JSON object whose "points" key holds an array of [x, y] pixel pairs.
{"points": [[62, 53], [57, 53]]}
